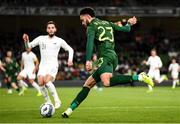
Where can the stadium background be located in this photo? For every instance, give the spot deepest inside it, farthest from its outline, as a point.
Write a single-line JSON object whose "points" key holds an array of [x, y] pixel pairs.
{"points": [[158, 27]]}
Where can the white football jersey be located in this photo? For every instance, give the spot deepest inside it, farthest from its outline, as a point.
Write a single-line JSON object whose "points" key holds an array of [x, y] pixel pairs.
{"points": [[28, 60], [154, 62], [174, 67], [49, 49]]}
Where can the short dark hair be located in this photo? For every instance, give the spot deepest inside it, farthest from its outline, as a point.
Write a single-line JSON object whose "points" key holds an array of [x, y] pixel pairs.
{"points": [[88, 10], [51, 22], [154, 50]]}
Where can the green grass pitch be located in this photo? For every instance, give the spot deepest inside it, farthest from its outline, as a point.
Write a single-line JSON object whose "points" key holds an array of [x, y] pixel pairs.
{"points": [[112, 105]]}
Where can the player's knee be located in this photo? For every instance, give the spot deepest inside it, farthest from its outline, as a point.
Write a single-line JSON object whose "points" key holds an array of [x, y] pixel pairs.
{"points": [[90, 82], [31, 81], [19, 78], [105, 78], [106, 83], [40, 82]]}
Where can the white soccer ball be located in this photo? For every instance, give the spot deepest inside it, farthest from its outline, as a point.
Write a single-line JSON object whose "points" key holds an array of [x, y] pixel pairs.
{"points": [[47, 109]]}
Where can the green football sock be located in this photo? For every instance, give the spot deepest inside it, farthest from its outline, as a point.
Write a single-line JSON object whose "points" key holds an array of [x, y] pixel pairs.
{"points": [[99, 84], [80, 97], [8, 85], [17, 89], [122, 79]]}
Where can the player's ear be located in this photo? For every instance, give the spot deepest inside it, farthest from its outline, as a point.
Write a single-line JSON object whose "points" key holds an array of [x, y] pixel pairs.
{"points": [[55, 29], [46, 29]]}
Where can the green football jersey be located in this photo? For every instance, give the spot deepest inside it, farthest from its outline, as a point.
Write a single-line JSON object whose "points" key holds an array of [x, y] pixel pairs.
{"points": [[100, 34], [11, 68]]}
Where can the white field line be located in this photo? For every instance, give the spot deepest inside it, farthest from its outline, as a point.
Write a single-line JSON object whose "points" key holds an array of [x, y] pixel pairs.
{"points": [[105, 107]]}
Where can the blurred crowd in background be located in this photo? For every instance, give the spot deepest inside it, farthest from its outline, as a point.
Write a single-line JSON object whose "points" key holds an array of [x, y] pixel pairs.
{"points": [[132, 48]]}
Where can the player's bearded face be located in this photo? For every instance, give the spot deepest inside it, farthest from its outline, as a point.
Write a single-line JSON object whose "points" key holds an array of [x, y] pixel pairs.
{"points": [[84, 20], [51, 30]]}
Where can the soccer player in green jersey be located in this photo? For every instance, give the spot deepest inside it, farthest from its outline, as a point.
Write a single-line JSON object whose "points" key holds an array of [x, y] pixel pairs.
{"points": [[100, 34], [11, 70]]}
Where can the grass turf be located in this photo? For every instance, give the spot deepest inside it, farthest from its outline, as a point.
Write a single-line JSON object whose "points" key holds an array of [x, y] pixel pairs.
{"points": [[112, 105]]}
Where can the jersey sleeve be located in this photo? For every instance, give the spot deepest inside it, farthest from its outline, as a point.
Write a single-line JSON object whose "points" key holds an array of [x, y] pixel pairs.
{"points": [[22, 57], [90, 42], [34, 43], [148, 61], [66, 47], [170, 67], [126, 28], [159, 62]]}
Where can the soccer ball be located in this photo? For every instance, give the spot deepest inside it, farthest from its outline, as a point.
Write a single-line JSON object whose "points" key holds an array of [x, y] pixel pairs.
{"points": [[47, 109]]}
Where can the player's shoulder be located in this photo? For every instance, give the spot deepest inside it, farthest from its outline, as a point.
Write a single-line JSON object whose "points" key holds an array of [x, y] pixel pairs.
{"points": [[32, 53], [151, 57], [59, 39], [42, 36], [177, 64], [23, 53], [98, 21], [156, 57]]}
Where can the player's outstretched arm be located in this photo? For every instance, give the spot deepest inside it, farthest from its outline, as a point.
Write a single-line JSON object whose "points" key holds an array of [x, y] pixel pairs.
{"points": [[66, 47], [32, 44], [127, 27], [26, 40]]}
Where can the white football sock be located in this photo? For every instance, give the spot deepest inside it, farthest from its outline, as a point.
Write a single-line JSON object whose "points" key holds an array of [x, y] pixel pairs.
{"points": [[150, 87], [45, 93], [53, 91], [174, 84], [23, 84], [36, 86], [161, 79]]}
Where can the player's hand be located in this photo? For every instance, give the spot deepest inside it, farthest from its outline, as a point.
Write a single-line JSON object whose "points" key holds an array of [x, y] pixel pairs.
{"points": [[144, 62], [25, 37], [70, 63], [88, 65], [9, 79], [132, 21]]}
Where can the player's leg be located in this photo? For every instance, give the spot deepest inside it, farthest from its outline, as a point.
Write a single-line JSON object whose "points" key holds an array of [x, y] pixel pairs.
{"points": [[43, 88], [152, 75], [105, 73], [8, 84], [174, 84], [48, 81], [159, 78], [99, 86], [13, 81], [21, 83], [175, 79], [13, 84], [31, 78], [36, 86], [90, 82], [20, 78]]}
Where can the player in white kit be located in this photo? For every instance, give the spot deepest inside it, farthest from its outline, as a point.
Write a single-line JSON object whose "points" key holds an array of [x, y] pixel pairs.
{"points": [[49, 48], [174, 68], [29, 66], [154, 62]]}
